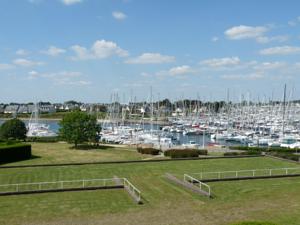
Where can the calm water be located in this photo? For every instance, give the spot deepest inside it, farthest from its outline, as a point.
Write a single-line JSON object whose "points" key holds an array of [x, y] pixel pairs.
{"points": [[183, 139]]}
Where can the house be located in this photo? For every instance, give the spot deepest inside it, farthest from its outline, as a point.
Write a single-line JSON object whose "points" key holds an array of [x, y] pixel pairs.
{"points": [[2, 107], [22, 109], [47, 108], [11, 109]]}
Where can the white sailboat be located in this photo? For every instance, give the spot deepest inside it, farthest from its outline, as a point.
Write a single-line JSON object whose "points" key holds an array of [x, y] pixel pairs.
{"points": [[37, 129]]}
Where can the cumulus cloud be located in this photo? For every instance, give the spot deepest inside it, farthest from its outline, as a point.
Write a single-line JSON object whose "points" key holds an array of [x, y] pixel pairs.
{"points": [[221, 62], [258, 33], [60, 78], [22, 52], [27, 62], [119, 15], [245, 32], [71, 2], [100, 49], [251, 76], [151, 58], [180, 70], [280, 50], [54, 51]]}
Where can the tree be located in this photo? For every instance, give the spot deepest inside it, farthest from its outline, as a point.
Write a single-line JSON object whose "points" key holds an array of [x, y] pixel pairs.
{"points": [[13, 129], [78, 127]]}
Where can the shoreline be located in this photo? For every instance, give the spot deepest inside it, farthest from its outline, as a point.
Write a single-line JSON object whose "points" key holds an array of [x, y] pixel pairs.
{"points": [[159, 122]]}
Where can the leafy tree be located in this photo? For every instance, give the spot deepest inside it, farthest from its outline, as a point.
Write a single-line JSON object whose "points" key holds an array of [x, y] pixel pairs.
{"points": [[13, 129], [78, 127]]}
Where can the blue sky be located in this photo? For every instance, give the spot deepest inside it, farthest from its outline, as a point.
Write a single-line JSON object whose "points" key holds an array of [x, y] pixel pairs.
{"points": [[57, 50]]}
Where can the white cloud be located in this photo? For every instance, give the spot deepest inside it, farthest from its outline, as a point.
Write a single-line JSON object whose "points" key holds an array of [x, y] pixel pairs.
{"points": [[119, 15], [101, 49], [71, 2], [269, 65], [245, 32], [60, 78], [251, 76], [221, 62], [180, 70], [6, 66], [280, 50], [265, 39], [214, 39], [151, 58], [22, 52], [54, 51], [26, 62]]}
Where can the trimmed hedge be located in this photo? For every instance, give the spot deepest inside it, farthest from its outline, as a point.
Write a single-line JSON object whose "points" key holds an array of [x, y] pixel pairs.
{"points": [[242, 153], [150, 151], [285, 155], [14, 152], [264, 149], [185, 153]]}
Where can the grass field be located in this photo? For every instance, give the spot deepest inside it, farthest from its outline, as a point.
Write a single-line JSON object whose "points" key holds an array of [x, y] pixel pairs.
{"points": [[47, 153], [276, 200]]}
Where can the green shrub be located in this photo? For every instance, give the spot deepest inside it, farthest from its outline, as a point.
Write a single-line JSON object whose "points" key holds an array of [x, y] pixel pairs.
{"points": [[242, 153], [13, 129], [286, 155], [264, 149], [150, 151], [185, 153], [14, 152]]}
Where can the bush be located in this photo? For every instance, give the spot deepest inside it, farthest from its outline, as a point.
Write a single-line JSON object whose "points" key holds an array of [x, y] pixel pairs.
{"points": [[150, 151], [14, 152], [185, 153], [43, 139], [286, 155], [242, 153], [13, 129], [264, 149]]}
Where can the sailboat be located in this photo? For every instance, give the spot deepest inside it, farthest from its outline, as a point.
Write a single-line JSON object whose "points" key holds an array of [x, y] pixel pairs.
{"points": [[37, 129]]}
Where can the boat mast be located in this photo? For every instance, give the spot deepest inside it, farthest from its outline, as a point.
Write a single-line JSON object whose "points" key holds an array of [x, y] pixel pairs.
{"points": [[283, 113]]}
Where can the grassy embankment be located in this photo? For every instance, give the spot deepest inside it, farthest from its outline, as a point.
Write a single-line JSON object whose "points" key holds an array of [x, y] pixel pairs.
{"points": [[275, 200]]}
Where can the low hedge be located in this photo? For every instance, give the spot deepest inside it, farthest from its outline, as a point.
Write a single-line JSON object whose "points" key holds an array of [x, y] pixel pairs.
{"points": [[185, 153], [264, 149], [150, 151], [14, 152], [43, 139], [285, 155], [242, 153]]}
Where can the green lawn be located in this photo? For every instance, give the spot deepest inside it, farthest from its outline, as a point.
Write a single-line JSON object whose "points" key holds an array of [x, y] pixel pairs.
{"points": [[47, 153], [275, 200]]}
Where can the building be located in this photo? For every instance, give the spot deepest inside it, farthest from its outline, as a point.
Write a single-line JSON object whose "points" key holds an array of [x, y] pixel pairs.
{"points": [[11, 109]]}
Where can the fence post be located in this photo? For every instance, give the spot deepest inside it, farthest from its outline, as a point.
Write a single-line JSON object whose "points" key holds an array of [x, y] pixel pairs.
{"points": [[236, 173], [219, 175], [253, 173], [270, 172], [17, 187], [83, 183], [40, 186], [62, 185], [286, 171]]}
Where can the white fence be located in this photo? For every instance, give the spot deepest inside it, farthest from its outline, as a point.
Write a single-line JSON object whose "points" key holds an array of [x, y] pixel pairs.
{"points": [[132, 189], [246, 173], [202, 186], [54, 185]]}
